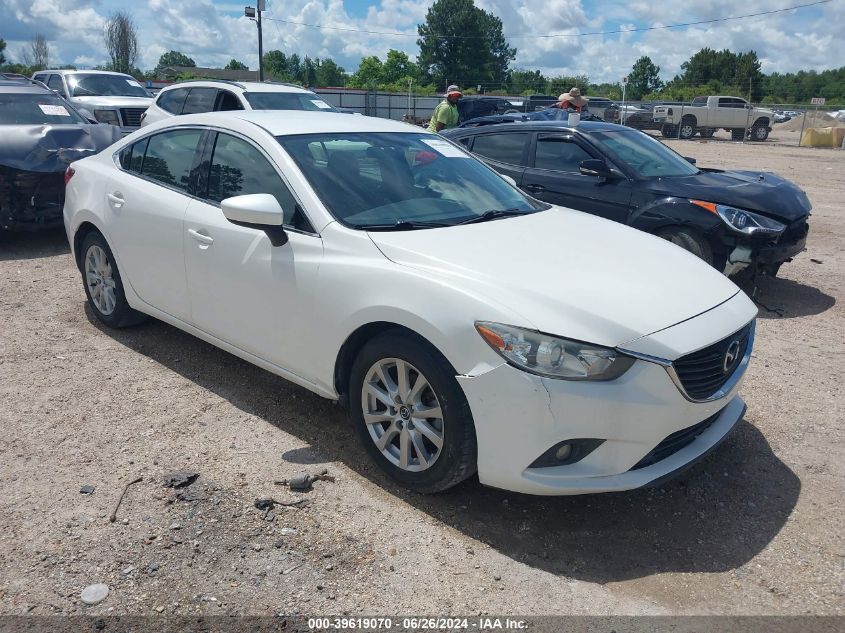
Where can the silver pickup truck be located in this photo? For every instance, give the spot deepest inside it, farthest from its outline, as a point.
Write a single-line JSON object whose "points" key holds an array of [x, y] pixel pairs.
{"points": [[707, 114]]}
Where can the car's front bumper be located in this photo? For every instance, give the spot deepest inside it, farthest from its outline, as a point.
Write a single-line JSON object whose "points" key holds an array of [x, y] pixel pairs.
{"points": [[520, 416]]}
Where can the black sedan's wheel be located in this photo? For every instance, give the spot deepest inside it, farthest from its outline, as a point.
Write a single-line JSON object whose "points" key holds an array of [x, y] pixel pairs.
{"points": [[689, 240], [668, 131], [411, 413], [103, 285]]}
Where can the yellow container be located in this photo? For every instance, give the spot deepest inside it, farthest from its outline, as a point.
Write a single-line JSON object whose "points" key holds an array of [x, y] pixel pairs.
{"points": [[823, 137]]}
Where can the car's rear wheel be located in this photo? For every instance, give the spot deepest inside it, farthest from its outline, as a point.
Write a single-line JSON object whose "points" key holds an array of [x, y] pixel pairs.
{"points": [[103, 285], [689, 240], [738, 134], [707, 132], [411, 414], [759, 132], [668, 131]]}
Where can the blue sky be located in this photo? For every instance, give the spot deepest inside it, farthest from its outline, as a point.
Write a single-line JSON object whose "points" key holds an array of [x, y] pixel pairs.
{"points": [[212, 32]]}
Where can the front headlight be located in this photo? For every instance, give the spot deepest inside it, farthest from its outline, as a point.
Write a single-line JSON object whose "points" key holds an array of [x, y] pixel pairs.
{"points": [[742, 221], [106, 116], [552, 356]]}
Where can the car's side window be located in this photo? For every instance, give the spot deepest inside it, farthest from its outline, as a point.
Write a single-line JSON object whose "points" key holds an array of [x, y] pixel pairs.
{"points": [[559, 153], [227, 101], [508, 147], [55, 83], [200, 100], [172, 100], [238, 169], [170, 156], [40, 77]]}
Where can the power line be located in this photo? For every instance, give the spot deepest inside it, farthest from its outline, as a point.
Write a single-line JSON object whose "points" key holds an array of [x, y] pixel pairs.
{"points": [[552, 35]]}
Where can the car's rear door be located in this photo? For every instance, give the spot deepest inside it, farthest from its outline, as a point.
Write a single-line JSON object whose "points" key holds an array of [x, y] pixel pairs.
{"points": [[554, 177], [147, 197], [243, 290], [506, 152]]}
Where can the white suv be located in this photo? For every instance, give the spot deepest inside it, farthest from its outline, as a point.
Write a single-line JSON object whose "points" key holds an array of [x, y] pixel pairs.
{"points": [[196, 96], [109, 97]]}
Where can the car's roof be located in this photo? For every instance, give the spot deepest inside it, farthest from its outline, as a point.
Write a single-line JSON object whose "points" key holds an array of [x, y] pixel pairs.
{"points": [[246, 86], [22, 87], [289, 122], [584, 127], [70, 71]]}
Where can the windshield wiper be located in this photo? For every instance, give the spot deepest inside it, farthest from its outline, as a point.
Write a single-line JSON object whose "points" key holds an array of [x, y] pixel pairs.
{"points": [[494, 214], [403, 225]]}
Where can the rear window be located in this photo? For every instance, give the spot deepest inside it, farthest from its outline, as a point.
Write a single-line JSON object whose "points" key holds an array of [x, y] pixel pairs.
{"points": [[200, 100], [287, 101], [699, 101], [35, 109]]}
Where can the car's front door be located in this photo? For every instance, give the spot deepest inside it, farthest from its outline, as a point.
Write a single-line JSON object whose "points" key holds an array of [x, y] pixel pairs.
{"points": [[553, 176], [243, 290], [148, 197], [506, 152]]}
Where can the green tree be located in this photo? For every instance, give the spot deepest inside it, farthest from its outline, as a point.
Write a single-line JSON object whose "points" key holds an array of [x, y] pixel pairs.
{"points": [[174, 58], [121, 41], [276, 64], [234, 64], [460, 43], [368, 74], [330, 74], [397, 67], [2, 48], [526, 82], [309, 72], [643, 78]]}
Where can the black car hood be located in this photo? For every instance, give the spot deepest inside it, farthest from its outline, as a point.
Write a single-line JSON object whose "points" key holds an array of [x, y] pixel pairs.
{"points": [[50, 148], [765, 193]]}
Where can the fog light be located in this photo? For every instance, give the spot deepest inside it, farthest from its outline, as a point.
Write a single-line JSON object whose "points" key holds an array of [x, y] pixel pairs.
{"points": [[563, 452]]}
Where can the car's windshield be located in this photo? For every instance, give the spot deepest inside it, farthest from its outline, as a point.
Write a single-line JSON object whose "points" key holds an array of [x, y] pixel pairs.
{"points": [[407, 180], [647, 156], [287, 101], [35, 109], [97, 85]]}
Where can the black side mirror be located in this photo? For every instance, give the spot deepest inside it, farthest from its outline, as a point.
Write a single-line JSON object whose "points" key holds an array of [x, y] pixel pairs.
{"points": [[690, 160], [596, 167]]}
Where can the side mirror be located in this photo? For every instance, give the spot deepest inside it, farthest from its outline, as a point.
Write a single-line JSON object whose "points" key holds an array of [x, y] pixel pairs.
{"points": [[690, 160], [595, 167], [257, 211], [508, 179]]}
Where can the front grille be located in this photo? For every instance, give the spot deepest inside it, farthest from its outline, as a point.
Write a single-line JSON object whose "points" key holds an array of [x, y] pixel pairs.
{"points": [[675, 442], [702, 373], [131, 117]]}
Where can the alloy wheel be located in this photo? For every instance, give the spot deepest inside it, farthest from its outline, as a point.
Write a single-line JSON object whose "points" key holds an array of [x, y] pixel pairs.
{"points": [[402, 414], [100, 280]]}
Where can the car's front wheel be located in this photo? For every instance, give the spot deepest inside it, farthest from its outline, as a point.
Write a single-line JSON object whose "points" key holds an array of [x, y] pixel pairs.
{"points": [[689, 240], [411, 413], [759, 132], [103, 285]]}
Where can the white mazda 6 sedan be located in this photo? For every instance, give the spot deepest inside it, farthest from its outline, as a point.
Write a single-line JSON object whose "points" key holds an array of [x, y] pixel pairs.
{"points": [[466, 326]]}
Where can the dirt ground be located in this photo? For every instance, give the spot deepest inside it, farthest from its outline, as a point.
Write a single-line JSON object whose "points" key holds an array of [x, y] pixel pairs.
{"points": [[756, 528]]}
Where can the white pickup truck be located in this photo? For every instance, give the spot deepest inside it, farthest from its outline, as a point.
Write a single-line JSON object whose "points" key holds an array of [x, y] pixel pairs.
{"points": [[707, 114]]}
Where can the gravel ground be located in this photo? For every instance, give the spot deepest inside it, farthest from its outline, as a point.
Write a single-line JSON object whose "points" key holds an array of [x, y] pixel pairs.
{"points": [[756, 528]]}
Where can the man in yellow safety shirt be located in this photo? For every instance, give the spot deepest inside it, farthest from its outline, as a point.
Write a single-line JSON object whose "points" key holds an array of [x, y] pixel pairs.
{"points": [[446, 115]]}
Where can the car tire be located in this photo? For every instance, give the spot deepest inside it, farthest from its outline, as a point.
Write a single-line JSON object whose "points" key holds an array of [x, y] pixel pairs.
{"points": [[668, 131], [385, 421], [759, 132], [687, 130], [738, 134], [103, 285], [707, 132], [690, 240]]}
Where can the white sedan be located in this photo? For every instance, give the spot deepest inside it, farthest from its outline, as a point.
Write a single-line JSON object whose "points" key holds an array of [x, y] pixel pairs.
{"points": [[467, 327]]}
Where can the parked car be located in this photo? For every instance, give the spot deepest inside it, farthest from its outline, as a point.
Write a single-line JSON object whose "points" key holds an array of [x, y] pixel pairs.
{"points": [[705, 115], [40, 134], [473, 107], [781, 116], [547, 114], [108, 97], [641, 118], [207, 95], [575, 353], [733, 220], [604, 108]]}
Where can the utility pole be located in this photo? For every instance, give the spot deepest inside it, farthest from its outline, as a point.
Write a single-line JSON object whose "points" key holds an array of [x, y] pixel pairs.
{"points": [[254, 14]]}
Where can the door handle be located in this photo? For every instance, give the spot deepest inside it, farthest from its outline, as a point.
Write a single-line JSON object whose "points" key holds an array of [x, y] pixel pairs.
{"points": [[199, 237], [534, 188], [116, 199]]}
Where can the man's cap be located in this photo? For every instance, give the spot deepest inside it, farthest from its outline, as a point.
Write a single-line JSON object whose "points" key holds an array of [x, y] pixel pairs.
{"points": [[452, 90]]}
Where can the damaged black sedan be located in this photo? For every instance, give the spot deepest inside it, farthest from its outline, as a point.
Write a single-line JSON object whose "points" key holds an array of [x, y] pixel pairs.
{"points": [[40, 135], [737, 221]]}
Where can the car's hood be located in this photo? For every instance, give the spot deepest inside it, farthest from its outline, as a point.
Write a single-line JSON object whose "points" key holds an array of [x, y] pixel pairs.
{"points": [[567, 273], [767, 193], [113, 102], [50, 148]]}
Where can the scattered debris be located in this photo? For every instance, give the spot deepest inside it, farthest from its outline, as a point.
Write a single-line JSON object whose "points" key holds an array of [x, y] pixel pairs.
{"points": [[113, 516], [180, 479], [303, 481], [286, 531], [94, 594], [87, 490], [188, 495], [816, 261], [290, 569]]}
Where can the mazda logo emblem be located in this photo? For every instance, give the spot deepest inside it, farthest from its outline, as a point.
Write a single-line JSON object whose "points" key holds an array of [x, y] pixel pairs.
{"points": [[731, 356]]}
